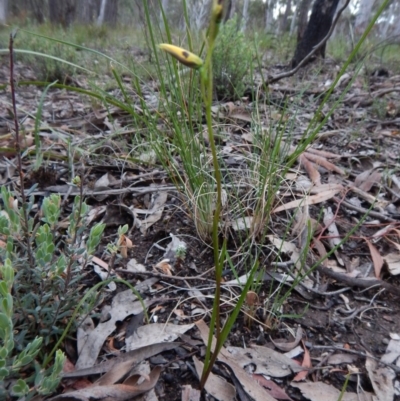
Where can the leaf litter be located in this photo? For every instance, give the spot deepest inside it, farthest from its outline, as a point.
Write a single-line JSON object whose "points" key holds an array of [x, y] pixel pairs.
{"points": [[141, 196]]}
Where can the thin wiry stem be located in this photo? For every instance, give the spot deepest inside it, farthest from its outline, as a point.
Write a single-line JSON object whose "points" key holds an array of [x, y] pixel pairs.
{"points": [[25, 224]]}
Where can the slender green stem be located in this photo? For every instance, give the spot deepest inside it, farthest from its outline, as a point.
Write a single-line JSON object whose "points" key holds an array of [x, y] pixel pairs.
{"points": [[207, 92]]}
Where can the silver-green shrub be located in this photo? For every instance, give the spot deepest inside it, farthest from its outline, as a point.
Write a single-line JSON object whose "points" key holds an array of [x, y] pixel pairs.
{"points": [[41, 266], [232, 58]]}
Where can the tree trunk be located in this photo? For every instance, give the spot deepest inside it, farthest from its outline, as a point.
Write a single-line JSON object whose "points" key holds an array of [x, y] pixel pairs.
{"points": [[37, 10], [230, 10], [285, 17], [111, 17], [269, 14], [303, 18], [395, 34], [293, 21], [62, 12], [320, 22], [198, 11], [245, 15], [3, 11], [86, 11], [102, 12], [363, 16]]}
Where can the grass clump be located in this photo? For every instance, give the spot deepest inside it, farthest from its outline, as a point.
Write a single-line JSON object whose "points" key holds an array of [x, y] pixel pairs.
{"points": [[50, 68], [232, 58]]}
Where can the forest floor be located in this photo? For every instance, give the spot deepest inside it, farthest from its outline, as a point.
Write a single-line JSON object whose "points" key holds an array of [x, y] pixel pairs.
{"points": [[347, 309]]}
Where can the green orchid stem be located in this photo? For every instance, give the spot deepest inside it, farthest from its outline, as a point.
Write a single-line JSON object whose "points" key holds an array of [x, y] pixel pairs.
{"points": [[207, 92]]}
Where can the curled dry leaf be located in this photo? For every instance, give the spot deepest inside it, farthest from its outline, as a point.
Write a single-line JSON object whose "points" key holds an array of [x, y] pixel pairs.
{"points": [[311, 170], [329, 221], [124, 304], [306, 364], [156, 333], [83, 332], [134, 357], [321, 161], [381, 378], [367, 179], [117, 392], [154, 213], [308, 200], [319, 391], [272, 388], [340, 358], [134, 266], [288, 346], [249, 384], [124, 244], [240, 391], [174, 247], [392, 354], [251, 298], [165, 267], [376, 258], [190, 394], [393, 262]]}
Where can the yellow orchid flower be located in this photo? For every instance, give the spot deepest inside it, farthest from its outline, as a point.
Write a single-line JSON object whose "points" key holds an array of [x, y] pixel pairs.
{"points": [[182, 55]]}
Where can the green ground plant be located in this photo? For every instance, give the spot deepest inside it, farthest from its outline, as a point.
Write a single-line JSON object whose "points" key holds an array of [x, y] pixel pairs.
{"points": [[41, 270]]}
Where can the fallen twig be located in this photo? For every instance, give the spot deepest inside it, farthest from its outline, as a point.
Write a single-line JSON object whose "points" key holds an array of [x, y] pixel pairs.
{"points": [[358, 282], [364, 211]]}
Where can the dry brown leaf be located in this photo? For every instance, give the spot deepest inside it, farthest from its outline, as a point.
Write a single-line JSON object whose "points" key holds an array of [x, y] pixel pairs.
{"points": [[115, 392], [248, 383], [308, 200], [288, 346], [116, 373], [83, 332], [156, 333], [323, 153], [306, 364], [320, 391], [124, 244], [321, 161], [376, 258], [218, 387], [319, 246], [105, 181], [190, 394], [326, 187], [381, 378], [393, 262], [338, 359], [311, 170], [125, 303], [165, 267], [271, 387], [100, 262], [286, 247], [366, 180], [135, 356]]}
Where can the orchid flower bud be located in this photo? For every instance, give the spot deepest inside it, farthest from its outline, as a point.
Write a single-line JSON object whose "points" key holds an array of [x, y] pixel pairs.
{"points": [[183, 56]]}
